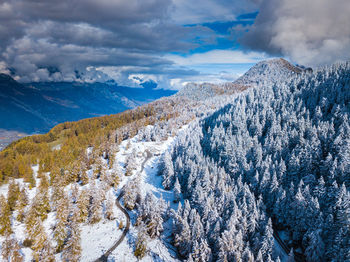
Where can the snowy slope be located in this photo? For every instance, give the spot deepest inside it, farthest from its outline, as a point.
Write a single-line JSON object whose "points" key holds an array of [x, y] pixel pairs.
{"points": [[269, 72]]}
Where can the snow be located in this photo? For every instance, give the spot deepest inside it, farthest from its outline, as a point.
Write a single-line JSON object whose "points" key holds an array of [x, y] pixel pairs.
{"points": [[278, 250], [98, 238], [19, 228]]}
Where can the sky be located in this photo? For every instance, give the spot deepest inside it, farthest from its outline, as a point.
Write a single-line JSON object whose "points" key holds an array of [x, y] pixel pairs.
{"points": [[170, 42]]}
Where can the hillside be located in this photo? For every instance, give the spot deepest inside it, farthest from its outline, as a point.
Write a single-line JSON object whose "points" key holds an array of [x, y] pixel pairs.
{"points": [[274, 161], [270, 71], [37, 107], [231, 172]]}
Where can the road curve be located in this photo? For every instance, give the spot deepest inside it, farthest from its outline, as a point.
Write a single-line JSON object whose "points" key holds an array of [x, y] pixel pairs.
{"points": [[104, 257], [297, 256]]}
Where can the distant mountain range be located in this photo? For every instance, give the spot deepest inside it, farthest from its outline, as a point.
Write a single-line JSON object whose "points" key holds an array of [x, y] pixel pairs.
{"points": [[37, 107]]}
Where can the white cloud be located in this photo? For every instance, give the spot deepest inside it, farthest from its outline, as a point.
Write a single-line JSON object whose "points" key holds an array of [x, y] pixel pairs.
{"points": [[312, 32], [4, 68], [216, 66], [217, 57]]}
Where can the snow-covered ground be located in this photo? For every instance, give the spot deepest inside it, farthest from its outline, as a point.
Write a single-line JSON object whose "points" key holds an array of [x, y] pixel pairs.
{"points": [[19, 228], [98, 238]]}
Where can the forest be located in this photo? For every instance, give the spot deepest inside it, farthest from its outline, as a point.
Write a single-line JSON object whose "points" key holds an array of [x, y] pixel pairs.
{"points": [[261, 157], [276, 158]]}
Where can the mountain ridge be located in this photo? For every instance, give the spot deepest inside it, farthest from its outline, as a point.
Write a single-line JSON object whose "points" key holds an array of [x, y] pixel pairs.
{"points": [[37, 107]]}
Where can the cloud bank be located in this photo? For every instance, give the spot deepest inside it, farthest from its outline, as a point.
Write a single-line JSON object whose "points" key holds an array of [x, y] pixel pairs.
{"points": [[58, 40], [313, 32]]}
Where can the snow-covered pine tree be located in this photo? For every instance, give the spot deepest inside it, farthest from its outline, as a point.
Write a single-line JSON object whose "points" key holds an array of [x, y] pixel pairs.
{"points": [[315, 247], [72, 249], [96, 204], [5, 217], [177, 191], [141, 243], [12, 194], [17, 255], [22, 203], [10, 250], [6, 248], [201, 252], [131, 193], [42, 250], [83, 205], [109, 214], [130, 163], [60, 231], [74, 193], [167, 170]]}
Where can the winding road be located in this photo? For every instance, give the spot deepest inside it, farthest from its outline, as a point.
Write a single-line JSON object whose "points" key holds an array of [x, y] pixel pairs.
{"points": [[104, 257], [297, 256]]}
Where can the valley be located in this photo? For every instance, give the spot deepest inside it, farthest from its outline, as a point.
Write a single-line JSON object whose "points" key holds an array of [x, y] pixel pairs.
{"points": [[35, 108]]}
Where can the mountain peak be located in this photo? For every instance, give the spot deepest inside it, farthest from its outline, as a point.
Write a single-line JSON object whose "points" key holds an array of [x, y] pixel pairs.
{"points": [[270, 70], [5, 77]]}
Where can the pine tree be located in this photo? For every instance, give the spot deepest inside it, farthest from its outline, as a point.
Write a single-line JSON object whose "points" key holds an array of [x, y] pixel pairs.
{"points": [[11, 251], [130, 164], [60, 232], [201, 252], [109, 208], [22, 202], [141, 244], [121, 225], [29, 221], [41, 204], [84, 177], [5, 217], [74, 193], [267, 240], [96, 205], [115, 177], [6, 248], [83, 206], [57, 191], [44, 184], [16, 252], [315, 249], [30, 178], [183, 239], [131, 194], [155, 224], [42, 250], [167, 170], [13, 194], [177, 191], [72, 250]]}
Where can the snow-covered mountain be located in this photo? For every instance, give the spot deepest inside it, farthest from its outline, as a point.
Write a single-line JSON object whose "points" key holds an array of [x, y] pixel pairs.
{"points": [[255, 170], [270, 71]]}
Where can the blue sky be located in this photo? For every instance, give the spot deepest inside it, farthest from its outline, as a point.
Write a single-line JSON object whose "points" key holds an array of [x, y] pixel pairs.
{"points": [[171, 42]]}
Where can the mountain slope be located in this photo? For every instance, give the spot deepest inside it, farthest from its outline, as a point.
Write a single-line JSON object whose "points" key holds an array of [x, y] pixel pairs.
{"points": [[270, 71], [20, 107], [276, 159], [244, 170], [37, 107]]}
